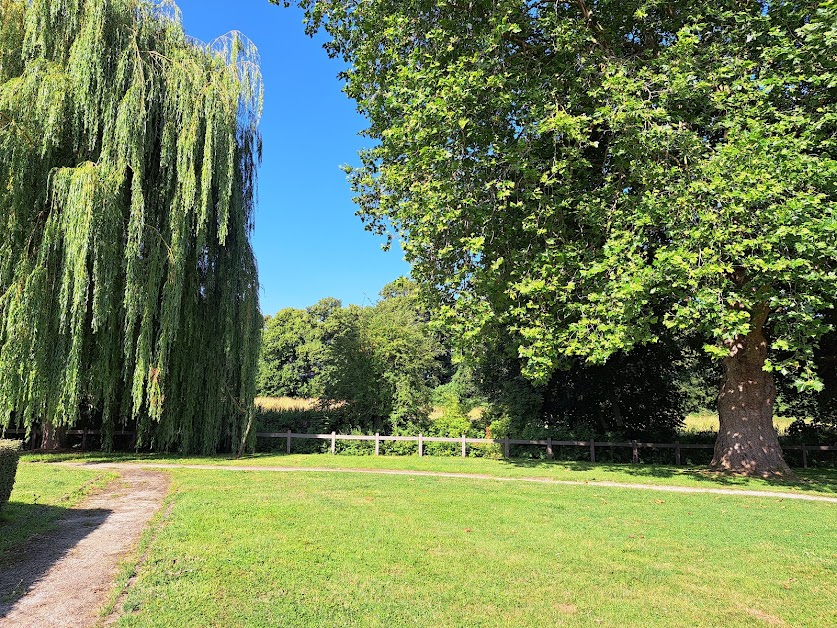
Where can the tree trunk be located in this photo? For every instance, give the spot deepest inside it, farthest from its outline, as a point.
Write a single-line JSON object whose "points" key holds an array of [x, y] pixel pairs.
{"points": [[242, 448], [54, 438], [747, 441], [616, 410]]}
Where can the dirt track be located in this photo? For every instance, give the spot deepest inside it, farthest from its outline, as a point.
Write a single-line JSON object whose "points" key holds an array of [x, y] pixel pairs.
{"points": [[66, 575]]}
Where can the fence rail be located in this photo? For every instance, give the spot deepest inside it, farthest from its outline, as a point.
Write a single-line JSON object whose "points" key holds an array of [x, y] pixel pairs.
{"points": [[22, 434], [421, 439]]}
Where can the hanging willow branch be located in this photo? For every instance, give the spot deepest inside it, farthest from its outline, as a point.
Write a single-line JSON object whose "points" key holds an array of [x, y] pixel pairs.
{"points": [[128, 286]]}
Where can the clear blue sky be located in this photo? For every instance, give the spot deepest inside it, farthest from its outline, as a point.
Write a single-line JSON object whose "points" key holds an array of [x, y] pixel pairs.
{"points": [[308, 241]]}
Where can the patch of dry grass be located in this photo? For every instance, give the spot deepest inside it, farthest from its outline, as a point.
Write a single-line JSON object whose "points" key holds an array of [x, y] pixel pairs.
{"points": [[708, 422], [285, 403], [475, 414]]}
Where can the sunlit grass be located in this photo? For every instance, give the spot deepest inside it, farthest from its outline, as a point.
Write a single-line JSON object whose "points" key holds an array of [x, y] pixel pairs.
{"points": [[708, 422], [809, 480], [285, 403], [325, 549], [474, 414]]}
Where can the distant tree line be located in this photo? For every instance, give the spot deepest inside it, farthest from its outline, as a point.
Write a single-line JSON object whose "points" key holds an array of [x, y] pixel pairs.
{"points": [[379, 363], [385, 368]]}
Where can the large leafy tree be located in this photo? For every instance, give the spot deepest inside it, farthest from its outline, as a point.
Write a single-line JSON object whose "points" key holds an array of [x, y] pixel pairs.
{"points": [[285, 368], [128, 288], [293, 352], [587, 172], [383, 361]]}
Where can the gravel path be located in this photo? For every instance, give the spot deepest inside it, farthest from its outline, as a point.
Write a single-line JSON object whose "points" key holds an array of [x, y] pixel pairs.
{"points": [[475, 476], [65, 576]]}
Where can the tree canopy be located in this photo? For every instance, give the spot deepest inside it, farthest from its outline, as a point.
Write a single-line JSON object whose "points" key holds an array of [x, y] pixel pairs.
{"points": [[384, 361], [128, 286], [378, 363], [587, 174]]}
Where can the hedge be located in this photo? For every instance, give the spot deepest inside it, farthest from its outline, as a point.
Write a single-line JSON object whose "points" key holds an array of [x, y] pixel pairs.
{"points": [[9, 454]]}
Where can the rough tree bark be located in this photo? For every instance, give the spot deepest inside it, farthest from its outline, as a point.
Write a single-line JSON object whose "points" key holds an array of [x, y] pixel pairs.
{"points": [[242, 448], [54, 438], [747, 441]]}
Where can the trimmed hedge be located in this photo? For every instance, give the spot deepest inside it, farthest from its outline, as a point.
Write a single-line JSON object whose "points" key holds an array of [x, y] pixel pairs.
{"points": [[9, 454]]}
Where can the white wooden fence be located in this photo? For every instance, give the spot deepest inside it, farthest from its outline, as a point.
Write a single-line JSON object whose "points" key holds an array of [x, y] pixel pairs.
{"points": [[463, 441], [508, 442]]}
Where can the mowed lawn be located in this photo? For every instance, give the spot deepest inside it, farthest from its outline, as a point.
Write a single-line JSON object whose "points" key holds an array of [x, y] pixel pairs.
{"points": [[328, 549], [819, 481]]}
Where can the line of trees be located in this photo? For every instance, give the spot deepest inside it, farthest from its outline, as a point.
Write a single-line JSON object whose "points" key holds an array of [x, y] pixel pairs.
{"points": [[595, 199], [380, 363], [385, 368]]}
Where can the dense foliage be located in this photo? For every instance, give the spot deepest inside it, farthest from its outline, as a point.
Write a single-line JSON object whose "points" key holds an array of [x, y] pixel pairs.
{"points": [[817, 414], [633, 395], [385, 360], [293, 350], [9, 455], [586, 175], [128, 287], [372, 367]]}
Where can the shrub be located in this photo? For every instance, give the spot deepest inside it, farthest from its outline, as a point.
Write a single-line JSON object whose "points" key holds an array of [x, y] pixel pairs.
{"points": [[9, 454]]}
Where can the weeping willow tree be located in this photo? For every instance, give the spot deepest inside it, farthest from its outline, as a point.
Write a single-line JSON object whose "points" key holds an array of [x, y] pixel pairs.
{"points": [[128, 286]]}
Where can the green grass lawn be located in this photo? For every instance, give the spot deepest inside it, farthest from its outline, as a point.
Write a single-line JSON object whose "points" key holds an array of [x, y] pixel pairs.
{"points": [[41, 494], [811, 480], [309, 549]]}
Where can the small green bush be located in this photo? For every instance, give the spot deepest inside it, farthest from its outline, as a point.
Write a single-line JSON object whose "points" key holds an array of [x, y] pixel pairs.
{"points": [[9, 454]]}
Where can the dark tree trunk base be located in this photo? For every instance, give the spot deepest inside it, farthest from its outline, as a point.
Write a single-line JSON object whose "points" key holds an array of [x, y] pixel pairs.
{"points": [[754, 457], [747, 441], [54, 438]]}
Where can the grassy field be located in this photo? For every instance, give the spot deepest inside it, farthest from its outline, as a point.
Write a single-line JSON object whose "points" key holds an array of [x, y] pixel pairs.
{"points": [[256, 549], [337, 549], [822, 481], [708, 422], [41, 494], [285, 403]]}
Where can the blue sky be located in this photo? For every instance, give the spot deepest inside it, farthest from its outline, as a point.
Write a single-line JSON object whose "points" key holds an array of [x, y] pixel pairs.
{"points": [[308, 241]]}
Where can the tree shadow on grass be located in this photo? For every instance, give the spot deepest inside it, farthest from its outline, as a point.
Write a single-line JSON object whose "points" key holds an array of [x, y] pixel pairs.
{"points": [[35, 537], [809, 480]]}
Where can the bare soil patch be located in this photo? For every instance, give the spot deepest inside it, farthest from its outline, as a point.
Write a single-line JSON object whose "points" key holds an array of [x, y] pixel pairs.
{"points": [[64, 578]]}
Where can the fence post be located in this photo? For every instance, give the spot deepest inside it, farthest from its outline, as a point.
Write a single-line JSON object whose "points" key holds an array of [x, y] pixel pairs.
{"points": [[84, 440], [549, 453], [636, 452], [804, 457], [677, 454], [592, 451], [333, 443], [289, 442], [506, 451], [463, 445], [377, 443], [421, 444]]}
